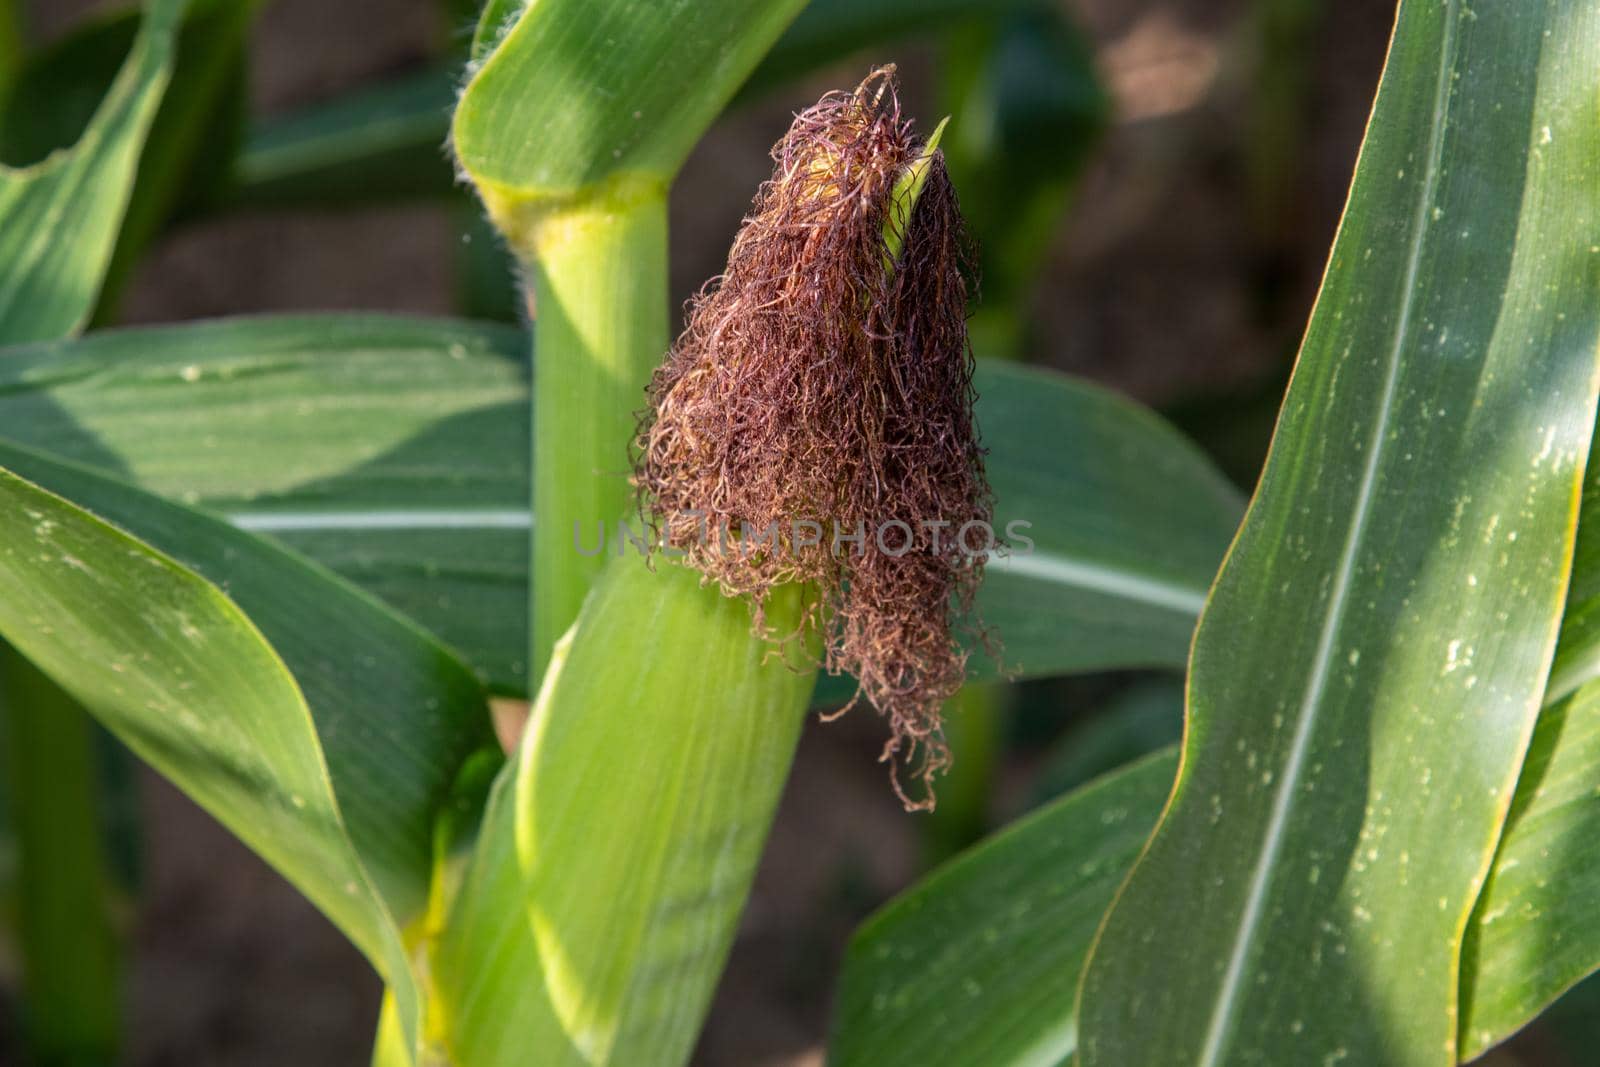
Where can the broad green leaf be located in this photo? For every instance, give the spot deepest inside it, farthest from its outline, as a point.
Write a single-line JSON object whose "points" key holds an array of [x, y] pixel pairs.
{"points": [[1577, 659], [285, 412], [601, 93], [59, 218], [978, 963], [394, 713], [617, 851], [1536, 930], [394, 451], [1129, 522], [147, 645], [1531, 936], [919, 975], [1367, 673], [332, 762]]}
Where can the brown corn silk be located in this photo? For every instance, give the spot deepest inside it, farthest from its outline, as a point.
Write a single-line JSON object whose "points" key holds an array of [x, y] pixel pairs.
{"points": [[819, 380]]}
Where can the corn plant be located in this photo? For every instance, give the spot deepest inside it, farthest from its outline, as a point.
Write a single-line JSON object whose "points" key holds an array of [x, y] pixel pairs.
{"points": [[287, 560]]}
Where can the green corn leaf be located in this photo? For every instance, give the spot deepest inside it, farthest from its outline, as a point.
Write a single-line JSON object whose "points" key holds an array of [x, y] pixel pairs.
{"points": [[329, 751], [1366, 676], [1530, 939], [578, 96], [59, 218], [979, 962], [1536, 931], [1577, 659], [1527, 942], [394, 451], [354, 661], [1129, 522], [676, 728], [1533, 935], [144, 650], [357, 410]]}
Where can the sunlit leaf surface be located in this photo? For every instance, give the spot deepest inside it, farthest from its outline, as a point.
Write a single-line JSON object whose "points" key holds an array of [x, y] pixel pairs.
{"points": [[1366, 676], [394, 451]]}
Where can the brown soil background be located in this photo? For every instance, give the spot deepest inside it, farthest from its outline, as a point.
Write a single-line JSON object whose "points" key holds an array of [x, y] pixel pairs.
{"points": [[1162, 283]]}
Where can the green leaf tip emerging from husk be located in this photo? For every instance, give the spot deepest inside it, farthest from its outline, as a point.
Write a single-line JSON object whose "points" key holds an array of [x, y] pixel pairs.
{"points": [[908, 192]]}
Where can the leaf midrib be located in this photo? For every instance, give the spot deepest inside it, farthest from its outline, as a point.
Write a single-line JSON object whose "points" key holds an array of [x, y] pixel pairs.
{"points": [[1056, 568], [1226, 1005]]}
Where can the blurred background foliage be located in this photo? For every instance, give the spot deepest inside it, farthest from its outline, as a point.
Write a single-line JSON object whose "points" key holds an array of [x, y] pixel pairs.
{"points": [[1152, 186]]}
